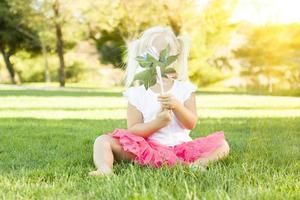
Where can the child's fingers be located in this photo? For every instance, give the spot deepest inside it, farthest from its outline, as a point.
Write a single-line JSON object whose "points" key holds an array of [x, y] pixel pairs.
{"points": [[164, 101], [166, 106], [163, 96]]}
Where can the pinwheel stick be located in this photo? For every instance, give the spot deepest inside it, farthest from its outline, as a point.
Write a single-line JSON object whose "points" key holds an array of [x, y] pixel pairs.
{"points": [[158, 72]]}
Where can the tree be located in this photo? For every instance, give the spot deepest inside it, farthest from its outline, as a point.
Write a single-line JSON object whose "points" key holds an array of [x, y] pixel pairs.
{"points": [[272, 52], [34, 18], [13, 36], [112, 24], [211, 30], [49, 18], [59, 41]]}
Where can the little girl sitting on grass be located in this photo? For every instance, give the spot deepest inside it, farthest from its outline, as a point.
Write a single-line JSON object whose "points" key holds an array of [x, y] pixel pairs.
{"points": [[159, 123]]}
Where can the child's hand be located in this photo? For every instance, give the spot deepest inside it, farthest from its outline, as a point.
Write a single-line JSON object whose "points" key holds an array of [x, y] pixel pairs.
{"points": [[168, 101], [164, 117]]}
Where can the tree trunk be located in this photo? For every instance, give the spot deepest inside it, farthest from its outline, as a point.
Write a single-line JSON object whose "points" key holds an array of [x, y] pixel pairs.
{"points": [[9, 65], [47, 74], [59, 44], [270, 86], [60, 54]]}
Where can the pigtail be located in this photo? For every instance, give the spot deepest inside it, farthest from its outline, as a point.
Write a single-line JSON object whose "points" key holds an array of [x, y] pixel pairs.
{"points": [[131, 63], [182, 61]]}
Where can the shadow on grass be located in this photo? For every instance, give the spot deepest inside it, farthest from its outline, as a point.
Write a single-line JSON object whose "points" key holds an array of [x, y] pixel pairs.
{"points": [[123, 107], [49, 93], [256, 93]]}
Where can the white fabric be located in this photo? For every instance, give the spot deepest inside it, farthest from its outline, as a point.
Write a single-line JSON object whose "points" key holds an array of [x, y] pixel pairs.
{"points": [[146, 102]]}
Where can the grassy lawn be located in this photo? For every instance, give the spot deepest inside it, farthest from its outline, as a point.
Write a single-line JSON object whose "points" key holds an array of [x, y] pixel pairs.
{"points": [[46, 140]]}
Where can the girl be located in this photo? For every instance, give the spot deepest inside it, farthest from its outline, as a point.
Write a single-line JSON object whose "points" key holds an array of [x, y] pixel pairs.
{"points": [[159, 124]]}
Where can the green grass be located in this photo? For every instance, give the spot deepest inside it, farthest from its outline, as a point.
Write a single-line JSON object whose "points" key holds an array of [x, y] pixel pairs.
{"points": [[46, 140]]}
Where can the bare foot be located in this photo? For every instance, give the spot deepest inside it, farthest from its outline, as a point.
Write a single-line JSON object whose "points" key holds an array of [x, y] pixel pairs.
{"points": [[102, 171], [199, 164], [99, 173]]}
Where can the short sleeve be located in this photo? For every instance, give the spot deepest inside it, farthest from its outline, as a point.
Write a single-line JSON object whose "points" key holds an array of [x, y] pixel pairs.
{"points": [[132, 96], [187, 89]]}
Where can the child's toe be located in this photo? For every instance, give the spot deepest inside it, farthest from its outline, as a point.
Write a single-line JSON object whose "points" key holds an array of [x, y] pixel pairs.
{"points": [[98, 173]]}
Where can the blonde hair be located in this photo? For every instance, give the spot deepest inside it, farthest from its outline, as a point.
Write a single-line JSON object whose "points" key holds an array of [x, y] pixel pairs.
{"points": [[178, 45]]}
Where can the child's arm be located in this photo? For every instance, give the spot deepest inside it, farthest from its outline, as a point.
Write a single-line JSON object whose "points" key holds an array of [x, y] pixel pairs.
{"points": [[186, 113], [137, 126]]}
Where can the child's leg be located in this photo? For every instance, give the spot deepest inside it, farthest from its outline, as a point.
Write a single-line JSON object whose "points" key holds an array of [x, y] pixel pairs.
{"points": [[219, 153], [106, 150]]}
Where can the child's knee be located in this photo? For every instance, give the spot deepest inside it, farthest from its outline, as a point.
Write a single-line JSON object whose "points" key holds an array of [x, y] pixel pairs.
{"points": [[102, 140]]}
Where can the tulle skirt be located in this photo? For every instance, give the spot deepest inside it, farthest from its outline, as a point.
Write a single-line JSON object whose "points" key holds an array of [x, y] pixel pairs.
{"points": [[151, 153]]}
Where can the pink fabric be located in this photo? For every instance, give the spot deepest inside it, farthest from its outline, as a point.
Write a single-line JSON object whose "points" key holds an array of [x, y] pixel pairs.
{"points": [[149, 152]]}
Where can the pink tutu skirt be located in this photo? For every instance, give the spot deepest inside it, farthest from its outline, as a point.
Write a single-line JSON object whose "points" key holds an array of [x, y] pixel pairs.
{"points": [[149, 152]]}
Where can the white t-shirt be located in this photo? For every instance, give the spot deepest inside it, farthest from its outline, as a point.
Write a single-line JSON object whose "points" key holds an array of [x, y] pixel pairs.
{"points": [[146, 102]]}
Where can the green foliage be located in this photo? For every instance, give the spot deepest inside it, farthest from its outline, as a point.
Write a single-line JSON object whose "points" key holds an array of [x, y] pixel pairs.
{"points": [[74, 72], [205, 73], [13, 32], [272, 52], [112, 32], [32, 69], [110, 47], [269, 60], [148, 76], [15, 35], [210, 31]]}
